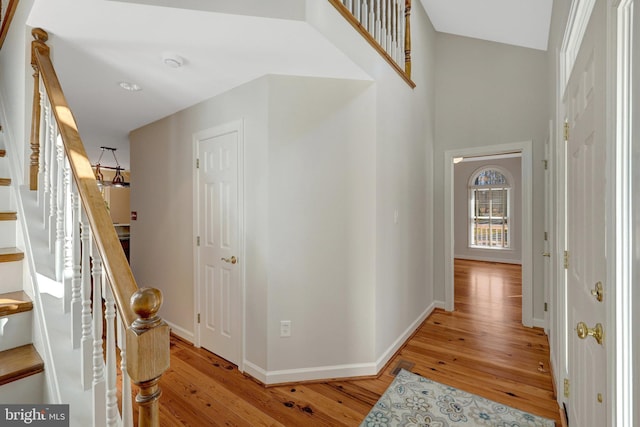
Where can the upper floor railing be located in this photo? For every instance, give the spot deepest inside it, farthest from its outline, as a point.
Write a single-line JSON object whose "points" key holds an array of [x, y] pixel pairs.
{"points": [[386, 25], [108, 310], [7, 9]]}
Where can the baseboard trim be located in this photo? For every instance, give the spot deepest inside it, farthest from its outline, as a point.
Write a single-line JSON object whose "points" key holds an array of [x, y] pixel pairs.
{"points": [[488, 259], [325, 373], [539, 323], [391, 351], [181, 332]]}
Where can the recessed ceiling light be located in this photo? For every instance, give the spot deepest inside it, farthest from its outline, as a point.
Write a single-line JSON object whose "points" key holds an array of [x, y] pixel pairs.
{"points": [[172, 60], [131, 87]]}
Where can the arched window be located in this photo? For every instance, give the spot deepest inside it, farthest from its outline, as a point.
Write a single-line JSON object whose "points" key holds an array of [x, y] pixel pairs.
{"points": [[489, 201]]}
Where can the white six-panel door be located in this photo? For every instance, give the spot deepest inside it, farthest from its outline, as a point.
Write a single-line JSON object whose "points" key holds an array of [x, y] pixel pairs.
{"points": [[218, 254], [586, 184]]}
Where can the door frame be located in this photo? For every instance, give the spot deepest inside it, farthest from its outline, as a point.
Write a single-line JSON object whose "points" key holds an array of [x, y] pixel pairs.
{"points": [[525, 148], [620, 126], [620, 200], [222, 129]]}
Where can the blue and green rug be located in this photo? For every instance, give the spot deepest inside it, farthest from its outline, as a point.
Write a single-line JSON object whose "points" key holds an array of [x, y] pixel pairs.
{"points": [[412, 400]]}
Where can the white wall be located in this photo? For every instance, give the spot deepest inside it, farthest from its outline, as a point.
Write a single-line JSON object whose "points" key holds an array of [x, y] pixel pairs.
{"points": [[488, 94], [162, 246], [462, 173], [327, 164], [404, 163], [16, 87]]}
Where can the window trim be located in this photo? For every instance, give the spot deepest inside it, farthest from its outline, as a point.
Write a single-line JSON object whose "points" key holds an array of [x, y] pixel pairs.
{"points": [[471, 217]]}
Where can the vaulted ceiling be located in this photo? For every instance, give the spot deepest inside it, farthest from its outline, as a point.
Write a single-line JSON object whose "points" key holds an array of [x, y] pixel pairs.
{"points": [[101, 43]]}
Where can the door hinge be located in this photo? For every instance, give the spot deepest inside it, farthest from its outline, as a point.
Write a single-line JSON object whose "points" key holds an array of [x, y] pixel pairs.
{"points": [[546, 236], [546, 307], [198, 241], [566, 387], [566, 259], [197, 163], [546, 164], [198, 317], [566, 131]]}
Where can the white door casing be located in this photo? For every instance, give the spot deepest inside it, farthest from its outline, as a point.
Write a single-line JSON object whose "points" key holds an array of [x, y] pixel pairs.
{"points": [[585, 106], [526, 221], [219, 255]]}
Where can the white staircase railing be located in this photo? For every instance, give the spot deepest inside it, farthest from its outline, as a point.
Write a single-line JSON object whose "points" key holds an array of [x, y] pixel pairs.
{"points": [[106, 309], [386, 24]]}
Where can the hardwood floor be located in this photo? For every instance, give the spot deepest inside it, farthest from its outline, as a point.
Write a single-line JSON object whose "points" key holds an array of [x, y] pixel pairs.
{"points": [[481, 347]]}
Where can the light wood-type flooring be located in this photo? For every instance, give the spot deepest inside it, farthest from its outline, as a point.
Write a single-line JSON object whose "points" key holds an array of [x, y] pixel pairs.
{"points": [[481, 347]]}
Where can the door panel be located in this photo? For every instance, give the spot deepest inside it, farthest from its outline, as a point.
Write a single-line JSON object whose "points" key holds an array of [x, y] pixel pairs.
{"points": [[218, 228], [586, 178]]}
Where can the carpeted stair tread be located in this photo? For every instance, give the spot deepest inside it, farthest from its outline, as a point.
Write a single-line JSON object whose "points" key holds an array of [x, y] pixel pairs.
{"points": [[8, 216], [11, 254], [18, 363], [14, 302]]}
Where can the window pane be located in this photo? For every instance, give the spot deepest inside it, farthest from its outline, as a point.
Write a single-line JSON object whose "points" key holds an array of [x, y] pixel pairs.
{"points": [[489, 210]]}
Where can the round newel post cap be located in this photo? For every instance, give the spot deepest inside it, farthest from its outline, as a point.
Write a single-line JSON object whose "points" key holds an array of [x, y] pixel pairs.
{"points": [[146, 303], [40, 35]]}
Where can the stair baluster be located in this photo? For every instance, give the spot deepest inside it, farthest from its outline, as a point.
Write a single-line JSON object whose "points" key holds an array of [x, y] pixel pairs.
{"points": [[59, 214], [76, 269], [86, 342], [127, 407], [98, 385], [111, 364], [68, 231]]}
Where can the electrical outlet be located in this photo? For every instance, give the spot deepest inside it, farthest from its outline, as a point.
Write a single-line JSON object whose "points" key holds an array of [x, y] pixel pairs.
{"points": [[285, 328]]}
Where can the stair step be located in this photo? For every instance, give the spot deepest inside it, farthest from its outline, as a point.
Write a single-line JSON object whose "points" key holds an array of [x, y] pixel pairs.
{"points": [[5, 182], [8, 216], [11, 254], [14, 302], [18, 363]]}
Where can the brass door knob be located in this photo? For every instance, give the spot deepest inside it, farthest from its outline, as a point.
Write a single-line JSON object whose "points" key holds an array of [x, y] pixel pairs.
{"points": [[231, 260], [598, 292], [584, 331]]}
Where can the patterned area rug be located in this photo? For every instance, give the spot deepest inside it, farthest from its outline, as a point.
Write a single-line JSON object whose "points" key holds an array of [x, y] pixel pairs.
{"points": [[412, 400]]}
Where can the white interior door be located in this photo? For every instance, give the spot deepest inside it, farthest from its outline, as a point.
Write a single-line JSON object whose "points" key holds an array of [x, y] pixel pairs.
{"points": [[586, 180], [218, 259]]}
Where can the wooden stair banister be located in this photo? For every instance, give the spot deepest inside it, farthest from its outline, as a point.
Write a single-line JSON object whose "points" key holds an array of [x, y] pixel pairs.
{"points": [[7, 10], [370, 26], [147, 336]]}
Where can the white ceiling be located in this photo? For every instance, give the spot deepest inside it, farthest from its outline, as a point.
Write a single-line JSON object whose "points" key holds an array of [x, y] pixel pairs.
{"points": [[516, 22], [98, 43]]}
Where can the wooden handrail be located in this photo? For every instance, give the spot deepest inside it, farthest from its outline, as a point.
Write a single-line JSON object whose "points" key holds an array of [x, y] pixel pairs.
{"points": [[6, 15], [147, 334]]}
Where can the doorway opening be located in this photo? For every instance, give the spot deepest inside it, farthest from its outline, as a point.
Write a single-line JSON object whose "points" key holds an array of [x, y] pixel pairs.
{"points": [[524, 150]]}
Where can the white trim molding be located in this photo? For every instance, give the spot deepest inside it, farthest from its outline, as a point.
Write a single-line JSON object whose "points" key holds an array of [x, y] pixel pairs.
{"points": [[579, 15], [526, 148], [337, 371], [620, 373]]}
